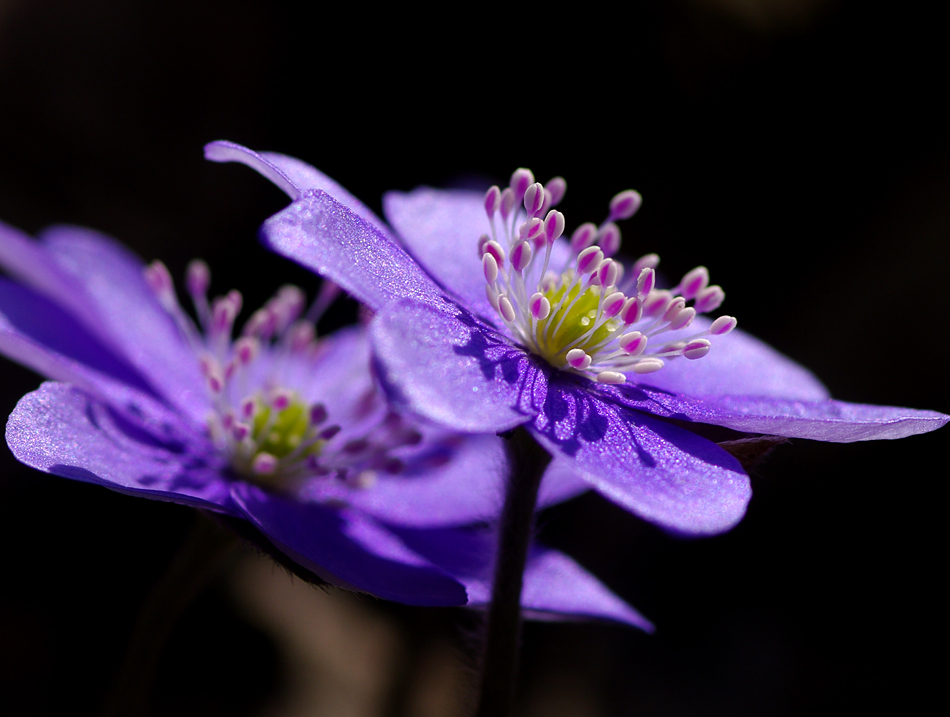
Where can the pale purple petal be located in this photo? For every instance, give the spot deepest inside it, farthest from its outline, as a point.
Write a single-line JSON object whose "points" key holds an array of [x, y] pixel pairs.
{"points": [[455, 371], [129, 312], [555, 587], [829, 420], [323, 235], [42, 336], [291, 175], [455, 481], [562, 481], [348, 549], [663, 473], [738, 364], [441, 229], [61, 430]]}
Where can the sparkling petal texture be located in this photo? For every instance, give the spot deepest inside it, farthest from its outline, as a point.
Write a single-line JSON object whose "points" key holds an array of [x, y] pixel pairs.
{"points": [[454, 370], [61, 430]]}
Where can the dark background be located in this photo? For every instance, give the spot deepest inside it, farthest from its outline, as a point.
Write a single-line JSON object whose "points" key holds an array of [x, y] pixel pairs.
{"points": [[796, 148]]}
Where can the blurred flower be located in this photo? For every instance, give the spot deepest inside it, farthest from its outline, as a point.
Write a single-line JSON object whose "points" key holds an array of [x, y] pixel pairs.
{"points": [[284, 433], [518, 353]]}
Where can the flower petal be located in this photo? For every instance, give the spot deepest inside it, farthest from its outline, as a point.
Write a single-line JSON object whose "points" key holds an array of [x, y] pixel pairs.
{"points": [[659, 471], [554, 585], [291, 175], [323, 235], [41, 335], [348, 549], [454, 370], [738, 364], [456, 481], [131, 315], [441, 229], [829, 420], [60, 430]]}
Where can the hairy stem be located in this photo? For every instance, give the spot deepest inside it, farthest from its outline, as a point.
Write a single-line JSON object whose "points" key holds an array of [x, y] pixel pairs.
{"points": [[526, 464]]}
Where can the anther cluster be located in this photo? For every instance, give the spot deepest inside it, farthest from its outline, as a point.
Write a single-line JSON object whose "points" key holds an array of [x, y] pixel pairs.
{"points": [[268, 432], [585, 316]]}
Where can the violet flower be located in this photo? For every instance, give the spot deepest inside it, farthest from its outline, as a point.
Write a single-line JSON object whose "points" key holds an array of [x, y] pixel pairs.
{"points": [[476, 334], [275, 429]]}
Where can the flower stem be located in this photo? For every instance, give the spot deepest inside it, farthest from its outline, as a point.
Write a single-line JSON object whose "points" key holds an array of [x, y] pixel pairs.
{"points": [[199, 560], [526, 464]]}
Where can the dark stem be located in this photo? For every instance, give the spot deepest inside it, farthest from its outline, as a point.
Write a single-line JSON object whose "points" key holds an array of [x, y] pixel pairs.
{"points": [[200, 558], [526, 464]]}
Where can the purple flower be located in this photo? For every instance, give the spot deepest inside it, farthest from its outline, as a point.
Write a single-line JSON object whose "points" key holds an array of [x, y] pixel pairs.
{"points": [[283, 433], [472, 331]]}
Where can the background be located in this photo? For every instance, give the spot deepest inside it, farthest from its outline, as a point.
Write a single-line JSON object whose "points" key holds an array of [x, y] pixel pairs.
{"points": [[797, 148]]}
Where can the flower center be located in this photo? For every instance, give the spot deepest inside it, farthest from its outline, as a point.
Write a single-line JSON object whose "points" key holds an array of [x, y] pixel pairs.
{"points": [[585, 318], [268, 432]]}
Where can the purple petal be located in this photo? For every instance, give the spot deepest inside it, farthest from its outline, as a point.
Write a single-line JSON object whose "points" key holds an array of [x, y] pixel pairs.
{"points": [[454, 370], [348, 549], [663, 473], [827, 420], [562, 481], [60, 430], [456, 481], [41, 335], [441, 229], [130, 314], [554, 585], [738, 364], [323, 235], [291, 175]]}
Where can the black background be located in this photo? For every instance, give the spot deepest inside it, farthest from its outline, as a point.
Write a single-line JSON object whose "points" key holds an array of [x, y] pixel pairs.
{"points": [[798, 149]]}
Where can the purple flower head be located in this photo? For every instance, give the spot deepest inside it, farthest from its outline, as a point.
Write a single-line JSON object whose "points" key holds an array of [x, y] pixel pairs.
{"points": [[284, 435], [490, 319]]}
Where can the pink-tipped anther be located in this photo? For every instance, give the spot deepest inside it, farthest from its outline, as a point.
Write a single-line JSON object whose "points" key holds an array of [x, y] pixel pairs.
{"points": [[648, 365], [532, 230], [482, 241], [608, 238], [694, 282], [489, 267], [656, 303], [613, 304], [521, 256], [197, 278], [683, 319], [534, 199], [492, 201], [507, 202], [624, 205], [494, 248], [246, 349], [589, 260], [264, 464], [696, 349], [521, 179], [558, 187], [611, 377], [673, 309], [608, 272], [240, 431], [302, 334], [578, 358], [583, 237], [539, 306], [709, 299], [631, 311], [723, 325], [553, 226], [505, 308], [280, 399], [160, 282], [633, 343], [216, 382], [646, 281], [248, 408], [492, 295]]}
